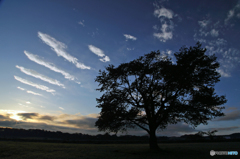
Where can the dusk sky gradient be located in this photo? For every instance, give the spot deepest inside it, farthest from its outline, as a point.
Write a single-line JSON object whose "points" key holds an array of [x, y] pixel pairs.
{"points": [[52, 50]]}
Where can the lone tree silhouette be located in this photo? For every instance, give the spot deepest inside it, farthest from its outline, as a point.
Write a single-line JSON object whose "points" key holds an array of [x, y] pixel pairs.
{"points": [[211, 133], [151, 92]]}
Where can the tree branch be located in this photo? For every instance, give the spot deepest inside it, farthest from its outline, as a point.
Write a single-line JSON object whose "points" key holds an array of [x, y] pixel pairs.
{"points": [[141, 126]]}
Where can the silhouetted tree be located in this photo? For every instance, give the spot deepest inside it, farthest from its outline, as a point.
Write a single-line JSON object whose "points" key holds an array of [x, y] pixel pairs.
{"points": [[200, 133], [211, 133], [151, 92]]}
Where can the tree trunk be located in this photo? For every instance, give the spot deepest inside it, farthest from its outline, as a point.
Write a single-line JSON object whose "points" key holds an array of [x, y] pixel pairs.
{"points": [[153, 141]]}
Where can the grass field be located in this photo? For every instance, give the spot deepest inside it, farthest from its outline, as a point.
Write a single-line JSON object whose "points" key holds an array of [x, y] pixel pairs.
{"points": [[12, 149]]}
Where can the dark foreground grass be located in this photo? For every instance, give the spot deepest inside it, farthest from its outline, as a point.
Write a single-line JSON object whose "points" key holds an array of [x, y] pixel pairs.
{"points": [[12, 149]]}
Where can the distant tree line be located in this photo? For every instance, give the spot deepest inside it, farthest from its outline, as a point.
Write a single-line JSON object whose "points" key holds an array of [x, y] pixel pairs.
{"points": [[58, 135], [45, 135]]}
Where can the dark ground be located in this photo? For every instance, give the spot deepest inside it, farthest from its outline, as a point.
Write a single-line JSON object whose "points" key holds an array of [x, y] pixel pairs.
{"points": [[14, 149]]}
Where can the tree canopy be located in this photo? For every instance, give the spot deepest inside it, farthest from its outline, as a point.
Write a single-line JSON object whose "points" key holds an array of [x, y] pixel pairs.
{"points": [[152, 91]]}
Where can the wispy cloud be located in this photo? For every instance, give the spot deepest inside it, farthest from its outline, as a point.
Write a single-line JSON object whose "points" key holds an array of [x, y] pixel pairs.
{"points": [[168, 53], [81, 23], [31, 92], [99, 53], [214, 33], [94, 33], [105, 59], [26, 116], [232, 13], [227, 56], [49, 65], [129, 49], [47, 118], [164, 35], [40, 76], [223, 73], [127, 36], [232, 113], [38, 86], [22, 105], [164, 15], [84, 122], [207, 27], [21, 88], [59, 48], [96, 50], [238, 15], [61, 108], [163, 12], [203, 23]]}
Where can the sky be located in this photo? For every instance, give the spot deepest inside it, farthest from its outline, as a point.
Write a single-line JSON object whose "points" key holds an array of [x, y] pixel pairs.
{"points": [[52, 50]]}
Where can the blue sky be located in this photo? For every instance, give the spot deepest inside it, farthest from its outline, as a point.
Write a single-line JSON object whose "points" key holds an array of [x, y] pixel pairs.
{"points": [[52, 50]]}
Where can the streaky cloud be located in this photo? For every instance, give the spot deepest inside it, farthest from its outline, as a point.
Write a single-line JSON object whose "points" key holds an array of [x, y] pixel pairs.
{"points": [[99, 53], [81, 23], [31, 92], [47, 118], [40, 76], [26, 116], [127, 36], [129, 49], [59, 48], [235, 115], [38, 86], [22, 105], [21, 88], [50, 66], [96, 50]]}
